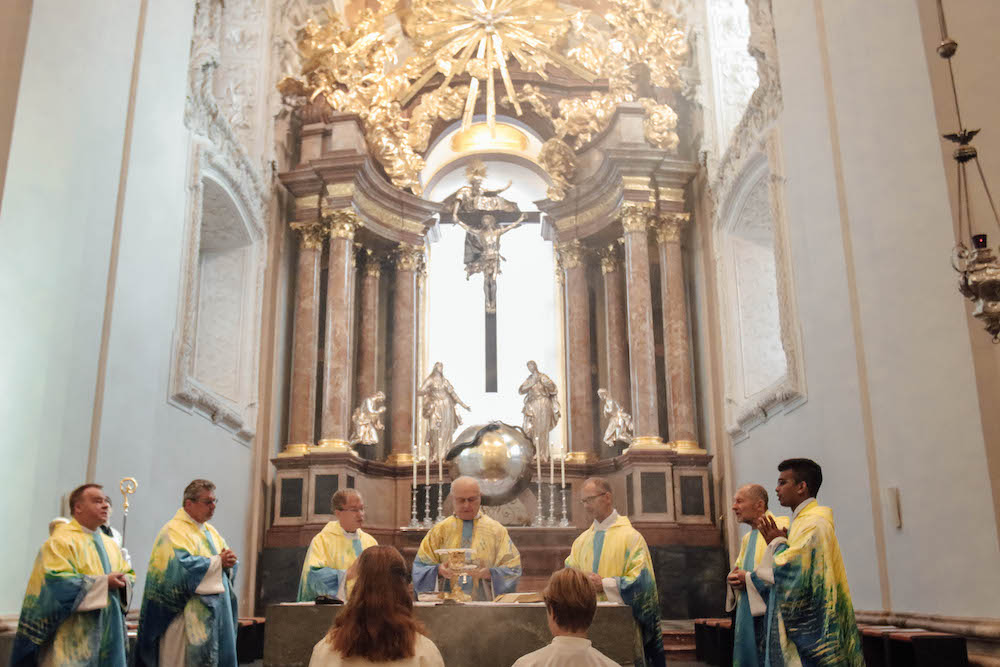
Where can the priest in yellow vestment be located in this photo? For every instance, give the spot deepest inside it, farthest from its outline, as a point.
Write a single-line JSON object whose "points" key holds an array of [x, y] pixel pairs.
{"points": [[329, 566], [500, 562], [810, 616], [746, 592], [73, 611], [616, 560]]}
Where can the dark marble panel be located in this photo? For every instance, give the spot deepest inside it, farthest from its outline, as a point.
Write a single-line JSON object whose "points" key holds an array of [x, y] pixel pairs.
{"points": [[291, 497], [466, 635], [692, 495], [629, 495], [654, 492], [326, 486], [432, 490], [350, 481], [278, 574], [691, 580]]}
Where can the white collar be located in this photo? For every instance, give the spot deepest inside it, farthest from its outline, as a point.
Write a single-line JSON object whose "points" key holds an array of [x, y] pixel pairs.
{"points": [[576, 643], [608, 521], [801, 507]]}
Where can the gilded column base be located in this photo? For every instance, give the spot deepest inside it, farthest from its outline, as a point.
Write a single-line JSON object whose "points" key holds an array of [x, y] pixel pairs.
{"points": [[332, 445], [648, 442], [581, 457], [400, 459], [297, 449], [687, 447]]}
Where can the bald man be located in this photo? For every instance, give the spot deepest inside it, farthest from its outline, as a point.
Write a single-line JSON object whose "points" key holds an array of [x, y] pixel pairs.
{"points": [[498, 558], [746, 593]]}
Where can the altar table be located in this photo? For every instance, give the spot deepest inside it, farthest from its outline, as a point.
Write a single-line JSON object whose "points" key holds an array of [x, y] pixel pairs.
{"points": [[476, 634]]}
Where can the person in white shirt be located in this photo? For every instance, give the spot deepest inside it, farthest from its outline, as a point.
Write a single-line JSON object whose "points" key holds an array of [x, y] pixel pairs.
{"points": [[377, 625], [570, 605]]}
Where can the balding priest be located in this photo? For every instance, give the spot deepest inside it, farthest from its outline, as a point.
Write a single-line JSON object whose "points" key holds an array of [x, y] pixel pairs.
{"points": [[746, 592], [329, 568], [73, 607], [188, 614], [469, 528], [616, 560]]}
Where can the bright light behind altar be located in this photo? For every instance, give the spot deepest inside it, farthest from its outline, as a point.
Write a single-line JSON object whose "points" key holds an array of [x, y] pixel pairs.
{"points": [[526, 305]]}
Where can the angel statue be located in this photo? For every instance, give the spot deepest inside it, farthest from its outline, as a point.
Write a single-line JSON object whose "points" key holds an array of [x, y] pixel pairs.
{"points": [[541, 409], [440, 412], [367, 420], [619, 422]]}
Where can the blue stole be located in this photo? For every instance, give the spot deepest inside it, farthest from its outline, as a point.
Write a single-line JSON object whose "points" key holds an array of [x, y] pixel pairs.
{"points": [[598, 548], [225, 624], [113, 634], [745, 644]]}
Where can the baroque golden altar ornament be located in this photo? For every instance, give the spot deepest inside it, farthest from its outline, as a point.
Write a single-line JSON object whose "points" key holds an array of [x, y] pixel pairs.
{"points": [[353, 70]]}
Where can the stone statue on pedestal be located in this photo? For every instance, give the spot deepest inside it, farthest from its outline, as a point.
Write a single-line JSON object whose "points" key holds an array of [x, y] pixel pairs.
{"points": [[367, 420], [619, 422], [439, 411], [541, 409]]}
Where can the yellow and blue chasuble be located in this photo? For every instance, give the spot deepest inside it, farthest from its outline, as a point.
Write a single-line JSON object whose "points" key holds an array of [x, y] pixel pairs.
{"points": [[181, 556], [620, 553], [66, 569], [810, 617], [491, 545], [749, 630], [330, 553]]}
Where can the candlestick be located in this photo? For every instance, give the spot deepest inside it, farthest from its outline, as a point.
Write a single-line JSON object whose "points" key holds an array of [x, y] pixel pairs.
{"points": [[440, 469], [440, 512], [564, 521], [413, 510], [414, 450], [552, 470], [562, 471], [427, 468], [552, 505]]}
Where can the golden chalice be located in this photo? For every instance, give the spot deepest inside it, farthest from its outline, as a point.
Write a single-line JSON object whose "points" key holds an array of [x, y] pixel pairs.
{"points": [[459, 562]]}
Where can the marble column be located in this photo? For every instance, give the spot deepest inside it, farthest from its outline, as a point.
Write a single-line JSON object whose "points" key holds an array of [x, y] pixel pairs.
{"points": [[677, 340], [335, 423], [617, 329], [580, 390], [368, 327], [635, 219], [404, 354], [305, 343]]}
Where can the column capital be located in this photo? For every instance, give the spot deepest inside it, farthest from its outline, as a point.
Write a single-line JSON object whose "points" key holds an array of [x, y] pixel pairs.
{"points": [[311, 234], [341, 222], [611, 259], [570, 254], [371, 264], [671, 226], [636, 216], [409, 257]]}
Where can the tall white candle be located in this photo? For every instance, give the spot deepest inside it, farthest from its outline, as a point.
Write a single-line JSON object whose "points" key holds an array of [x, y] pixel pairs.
{"points": [[538, 462], [414, 467], [562, 470], [427, 472]]}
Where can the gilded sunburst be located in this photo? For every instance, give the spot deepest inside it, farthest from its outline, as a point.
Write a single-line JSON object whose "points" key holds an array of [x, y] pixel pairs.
{"points": [[453, 37]]}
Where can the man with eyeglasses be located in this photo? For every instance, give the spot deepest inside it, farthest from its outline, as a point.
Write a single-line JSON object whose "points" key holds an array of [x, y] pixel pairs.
{"points": [[616, 561], [188, 612], [330, 565]]}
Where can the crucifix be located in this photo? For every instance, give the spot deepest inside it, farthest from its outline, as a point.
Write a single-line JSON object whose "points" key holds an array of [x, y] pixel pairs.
{"points": [[482, 212]]}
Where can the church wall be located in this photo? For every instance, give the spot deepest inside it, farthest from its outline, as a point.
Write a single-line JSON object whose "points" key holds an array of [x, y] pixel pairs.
{"points": [[971, 24], [889, 377], [55, 239]]}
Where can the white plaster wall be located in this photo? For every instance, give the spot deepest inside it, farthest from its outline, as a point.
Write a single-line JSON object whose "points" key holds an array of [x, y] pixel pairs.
{"points": [[913, 338], [142, 435], [55, 239], [55, 235]]}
